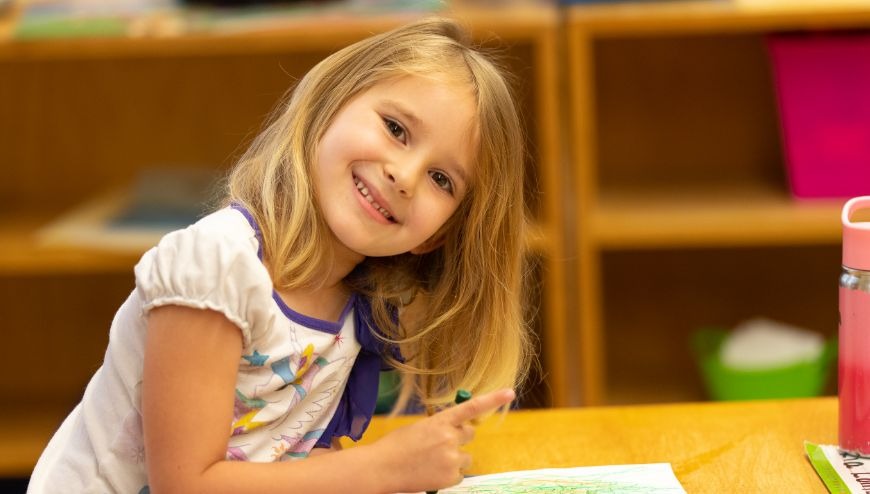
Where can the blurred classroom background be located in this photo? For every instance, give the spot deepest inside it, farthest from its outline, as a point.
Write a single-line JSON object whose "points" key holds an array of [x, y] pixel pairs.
{"points": [[688, 162]]}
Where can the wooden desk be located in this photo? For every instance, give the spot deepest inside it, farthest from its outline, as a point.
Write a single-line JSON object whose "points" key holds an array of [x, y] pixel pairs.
{"points": [[713, 447]]}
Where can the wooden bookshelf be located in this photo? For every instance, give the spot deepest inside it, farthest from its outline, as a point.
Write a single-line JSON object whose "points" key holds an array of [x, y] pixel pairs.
{"points": [[712, 217], [86, 115], [683, 215]]}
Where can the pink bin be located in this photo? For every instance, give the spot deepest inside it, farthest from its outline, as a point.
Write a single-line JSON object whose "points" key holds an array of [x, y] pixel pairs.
{"points": [[823, 87]]}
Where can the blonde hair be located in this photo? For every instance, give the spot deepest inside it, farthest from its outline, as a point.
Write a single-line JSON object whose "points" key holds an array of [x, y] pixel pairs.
{"points": [[460, 312]]}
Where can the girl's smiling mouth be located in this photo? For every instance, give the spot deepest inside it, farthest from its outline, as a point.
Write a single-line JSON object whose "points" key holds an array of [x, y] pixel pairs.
{"points": [[369, 198]]}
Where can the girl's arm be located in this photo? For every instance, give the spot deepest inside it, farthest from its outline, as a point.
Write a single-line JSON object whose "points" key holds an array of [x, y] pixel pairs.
{"points": [[335, 446], [191, 360]]}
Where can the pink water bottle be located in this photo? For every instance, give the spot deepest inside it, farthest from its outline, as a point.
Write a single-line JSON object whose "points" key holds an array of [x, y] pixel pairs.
{"points": [[854, 353]]}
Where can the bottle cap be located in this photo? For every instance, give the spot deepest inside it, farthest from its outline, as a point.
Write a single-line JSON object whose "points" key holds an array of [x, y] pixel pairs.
{"points": [[856, 235]]}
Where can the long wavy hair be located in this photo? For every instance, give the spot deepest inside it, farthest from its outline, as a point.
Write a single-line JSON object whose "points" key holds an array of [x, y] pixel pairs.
{"points": [[460, 307]]}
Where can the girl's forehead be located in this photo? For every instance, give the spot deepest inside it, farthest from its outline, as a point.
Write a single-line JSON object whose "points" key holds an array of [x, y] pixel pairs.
{"points": [[425, 86]]}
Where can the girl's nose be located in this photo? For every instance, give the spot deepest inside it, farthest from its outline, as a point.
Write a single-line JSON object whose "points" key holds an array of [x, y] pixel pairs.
{"points": [[404, 177]]}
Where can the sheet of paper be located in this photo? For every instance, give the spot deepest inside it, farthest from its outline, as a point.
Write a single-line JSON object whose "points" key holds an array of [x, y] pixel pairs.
{"points": [[652, 478], [800, 4]]}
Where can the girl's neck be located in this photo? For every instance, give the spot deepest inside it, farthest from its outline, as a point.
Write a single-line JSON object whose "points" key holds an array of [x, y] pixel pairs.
{"points": [[325, 303], [327, 297], [344, 260]]}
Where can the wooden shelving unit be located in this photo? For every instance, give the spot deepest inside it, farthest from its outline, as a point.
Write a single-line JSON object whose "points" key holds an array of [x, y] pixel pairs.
{"points": [[21, 252], [670, 212], [683, 216], [83, 116]]}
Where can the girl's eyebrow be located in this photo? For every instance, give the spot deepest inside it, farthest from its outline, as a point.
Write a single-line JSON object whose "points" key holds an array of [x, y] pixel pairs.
{"points": [[406, 113]]}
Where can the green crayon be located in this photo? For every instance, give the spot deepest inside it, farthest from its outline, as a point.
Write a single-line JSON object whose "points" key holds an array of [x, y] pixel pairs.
{"points": [[462, 396]]}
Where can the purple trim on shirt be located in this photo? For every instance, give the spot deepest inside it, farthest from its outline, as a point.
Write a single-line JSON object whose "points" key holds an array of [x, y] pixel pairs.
{"points": [[251, 221], [357, 403], [309, 322]]}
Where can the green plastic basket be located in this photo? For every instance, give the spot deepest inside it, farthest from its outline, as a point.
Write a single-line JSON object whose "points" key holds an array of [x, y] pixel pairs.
{"points": [[798, 380]]}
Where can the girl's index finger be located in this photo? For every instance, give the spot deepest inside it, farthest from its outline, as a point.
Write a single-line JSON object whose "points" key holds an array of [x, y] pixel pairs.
{"points": [[477, 406]]}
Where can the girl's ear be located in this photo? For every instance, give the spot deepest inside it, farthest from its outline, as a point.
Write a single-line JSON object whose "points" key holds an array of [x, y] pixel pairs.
{"points": [[429, 245]]}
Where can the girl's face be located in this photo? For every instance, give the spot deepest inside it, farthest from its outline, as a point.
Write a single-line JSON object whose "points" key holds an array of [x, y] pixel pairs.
{"points": [[395, 164]]}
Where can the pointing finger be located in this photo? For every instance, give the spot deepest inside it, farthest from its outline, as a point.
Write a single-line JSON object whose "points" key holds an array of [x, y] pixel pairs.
{"points": [[478, 406]]}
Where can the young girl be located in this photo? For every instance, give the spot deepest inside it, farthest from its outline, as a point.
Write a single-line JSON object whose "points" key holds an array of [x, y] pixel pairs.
{"points": [[379, 217]]}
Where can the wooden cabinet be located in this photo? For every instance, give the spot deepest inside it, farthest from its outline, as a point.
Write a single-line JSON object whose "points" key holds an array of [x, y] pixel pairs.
{"points": [[683, 216], [78, 117]]}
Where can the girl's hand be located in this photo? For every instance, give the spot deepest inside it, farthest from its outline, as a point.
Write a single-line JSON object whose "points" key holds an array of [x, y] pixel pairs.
{"points": [[427, 454]]}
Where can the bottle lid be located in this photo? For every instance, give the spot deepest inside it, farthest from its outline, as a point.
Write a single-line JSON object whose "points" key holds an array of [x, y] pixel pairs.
{"points": [[856, 235]]}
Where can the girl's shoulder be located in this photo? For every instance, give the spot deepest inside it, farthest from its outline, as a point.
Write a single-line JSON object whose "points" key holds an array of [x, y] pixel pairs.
{"points": [[211, 263], [228, 235], [227, 230], [229, 224]]}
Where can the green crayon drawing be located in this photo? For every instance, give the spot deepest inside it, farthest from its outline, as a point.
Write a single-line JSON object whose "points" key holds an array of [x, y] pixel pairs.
{"points": [[657, 478]]}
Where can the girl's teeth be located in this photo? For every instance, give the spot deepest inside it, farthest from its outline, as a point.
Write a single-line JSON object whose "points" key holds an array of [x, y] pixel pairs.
{"points": [[365, 192]]}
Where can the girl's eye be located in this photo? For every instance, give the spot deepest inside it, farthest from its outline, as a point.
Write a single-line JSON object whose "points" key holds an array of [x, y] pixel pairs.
{"points": [[442, 181], [397, 130]]}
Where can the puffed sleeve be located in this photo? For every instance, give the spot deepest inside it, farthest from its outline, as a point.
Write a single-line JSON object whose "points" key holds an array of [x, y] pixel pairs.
{"points": [[205, 267]]}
